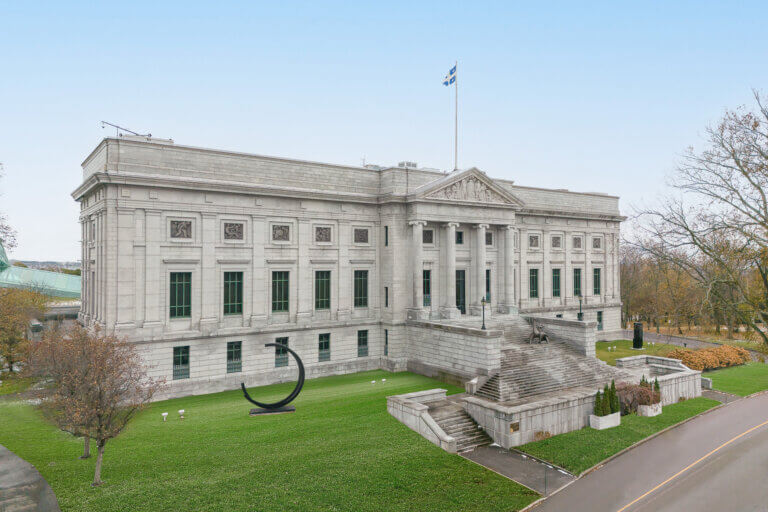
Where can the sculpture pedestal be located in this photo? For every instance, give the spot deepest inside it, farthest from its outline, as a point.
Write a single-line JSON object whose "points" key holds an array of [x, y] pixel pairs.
{"points": [[280, 410]]}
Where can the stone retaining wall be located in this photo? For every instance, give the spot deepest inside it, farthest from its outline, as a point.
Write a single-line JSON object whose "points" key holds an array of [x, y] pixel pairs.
{"points": [[579, 335], [410, 410], [675, 379]]}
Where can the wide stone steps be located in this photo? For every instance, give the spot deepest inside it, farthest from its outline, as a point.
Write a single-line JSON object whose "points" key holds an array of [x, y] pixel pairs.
{"points": [[458, 424], [528, 370]]}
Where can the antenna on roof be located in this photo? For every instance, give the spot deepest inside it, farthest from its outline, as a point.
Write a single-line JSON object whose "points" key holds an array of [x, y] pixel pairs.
{"points": [[119, 129]]}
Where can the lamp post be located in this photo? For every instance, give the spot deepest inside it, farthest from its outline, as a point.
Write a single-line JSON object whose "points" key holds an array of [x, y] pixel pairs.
{"points": [[483, 302], [580, 316]]}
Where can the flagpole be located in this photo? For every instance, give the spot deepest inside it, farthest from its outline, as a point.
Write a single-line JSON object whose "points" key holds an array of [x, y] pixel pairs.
{"points": [[456, 123]]}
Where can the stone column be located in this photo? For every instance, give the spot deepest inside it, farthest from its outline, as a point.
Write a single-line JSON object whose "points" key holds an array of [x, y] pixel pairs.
{"points": [[210, 289], [509, 306], [416, 310], [304, 272], [478, 267], [448, 307], [522, 268]]}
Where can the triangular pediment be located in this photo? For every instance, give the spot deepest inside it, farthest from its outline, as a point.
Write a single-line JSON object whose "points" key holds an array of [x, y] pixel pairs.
{"points": [[472, 186]]}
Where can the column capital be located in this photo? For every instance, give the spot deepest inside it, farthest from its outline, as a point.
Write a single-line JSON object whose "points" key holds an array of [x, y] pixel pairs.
{"points": [[481, 226], [511, 227], [452, 224], [417, 222]]}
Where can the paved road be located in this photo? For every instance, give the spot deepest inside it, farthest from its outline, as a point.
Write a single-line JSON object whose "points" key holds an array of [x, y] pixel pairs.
{"points": [[715, 462], [22, 489]]}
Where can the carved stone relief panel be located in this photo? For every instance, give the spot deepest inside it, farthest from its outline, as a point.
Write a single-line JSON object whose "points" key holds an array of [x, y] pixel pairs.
{"points": [[233, 231], [181, 229], [322, 234], [281, 232], [361, 236]]}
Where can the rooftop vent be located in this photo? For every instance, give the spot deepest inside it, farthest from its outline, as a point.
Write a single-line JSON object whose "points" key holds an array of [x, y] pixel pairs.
{"points": [[408, 165]]}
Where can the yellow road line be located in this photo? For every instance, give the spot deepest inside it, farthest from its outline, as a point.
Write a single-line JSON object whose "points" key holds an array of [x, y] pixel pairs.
{"points": [[689, 466]]}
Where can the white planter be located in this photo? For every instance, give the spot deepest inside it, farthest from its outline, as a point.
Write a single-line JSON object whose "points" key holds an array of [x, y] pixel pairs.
{"points": [[649, 410], [603, 422]]}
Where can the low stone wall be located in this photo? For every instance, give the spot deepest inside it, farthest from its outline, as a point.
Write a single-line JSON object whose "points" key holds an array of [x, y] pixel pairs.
{"points": [[675, 379], [579, 335], [410, 410], [510, 426], [453, 353]]}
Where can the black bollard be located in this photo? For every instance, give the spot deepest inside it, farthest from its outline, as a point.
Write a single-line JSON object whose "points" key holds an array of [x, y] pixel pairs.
{"points": [[637, 341]]}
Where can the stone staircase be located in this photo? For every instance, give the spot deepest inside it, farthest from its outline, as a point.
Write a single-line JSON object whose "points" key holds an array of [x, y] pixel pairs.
{"points": [[529, 370], [455, 422]]}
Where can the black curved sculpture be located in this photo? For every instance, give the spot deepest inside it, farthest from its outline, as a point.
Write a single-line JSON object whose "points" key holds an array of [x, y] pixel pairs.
{"points": [[278, 407]]}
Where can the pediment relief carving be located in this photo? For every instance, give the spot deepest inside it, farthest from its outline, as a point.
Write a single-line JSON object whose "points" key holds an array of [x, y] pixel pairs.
{"points": [[470, 188]]}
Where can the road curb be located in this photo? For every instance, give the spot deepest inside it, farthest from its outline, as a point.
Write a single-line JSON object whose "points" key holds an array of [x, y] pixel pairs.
{"points": [[631, 447]]}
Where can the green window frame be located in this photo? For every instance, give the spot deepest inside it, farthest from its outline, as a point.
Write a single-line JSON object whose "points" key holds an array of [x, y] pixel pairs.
{"points": [[596, 281], [233, 293], [362, 343], [459, 238], [533, 283], [386, 236], [280, 287], [181, 362], [386, 342], [322, 289], [281, 355], [555, 282], [324, 347], [234, 356], [361, 288], [427, 287], [577, 282], [599, 320], [487, 285], [181, 295], [386, 296]]}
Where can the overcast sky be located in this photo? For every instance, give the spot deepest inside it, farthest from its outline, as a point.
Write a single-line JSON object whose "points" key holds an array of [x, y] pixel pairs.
{"points": [[577, 95]]}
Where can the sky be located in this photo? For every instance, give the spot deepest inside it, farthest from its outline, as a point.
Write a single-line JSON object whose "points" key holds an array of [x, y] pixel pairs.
{"points": [[588, 96]]}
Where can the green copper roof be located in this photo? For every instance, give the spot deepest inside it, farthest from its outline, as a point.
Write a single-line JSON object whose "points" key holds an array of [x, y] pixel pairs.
{"points": [[54, 284]]}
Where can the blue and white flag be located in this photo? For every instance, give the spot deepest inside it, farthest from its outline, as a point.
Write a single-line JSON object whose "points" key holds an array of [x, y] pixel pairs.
{"points": [[450, 77]]}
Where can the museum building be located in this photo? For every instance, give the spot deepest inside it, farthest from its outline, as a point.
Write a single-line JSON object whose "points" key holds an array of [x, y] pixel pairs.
{"points": [[202, 256]]}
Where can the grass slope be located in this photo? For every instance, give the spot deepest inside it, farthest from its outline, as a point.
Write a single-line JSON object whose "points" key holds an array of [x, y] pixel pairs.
{"points": [[624, 349], [581, 449], [340, 450], [740, 380], [13, 384]]}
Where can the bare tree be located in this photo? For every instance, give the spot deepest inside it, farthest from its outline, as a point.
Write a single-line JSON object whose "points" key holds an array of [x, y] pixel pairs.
{"points": [[17, 308], [716, 229], [7, 233], [102, 385]]}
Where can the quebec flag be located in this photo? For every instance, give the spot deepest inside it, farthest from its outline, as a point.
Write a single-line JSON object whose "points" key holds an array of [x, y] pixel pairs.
{"points": [[450, 77]]}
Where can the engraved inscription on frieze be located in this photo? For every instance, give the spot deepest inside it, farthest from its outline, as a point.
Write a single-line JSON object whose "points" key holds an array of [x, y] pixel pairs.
{"points": [[281, 233], [361, 236], [181, 229], [233, 231], [322, 234]]}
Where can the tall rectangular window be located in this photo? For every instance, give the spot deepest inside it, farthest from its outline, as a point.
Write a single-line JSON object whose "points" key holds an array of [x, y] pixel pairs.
{"points": [[281, 355], [386, 236], [577, 282], [180, 363], [596, 281], [386, 342], [280, 291], [324, 347], [234, 356], [459, 238], [386, 296], [599, 320], [488, 285], [233, 293], [361, 288], [181, 294], [427, 284], [555, 282], [362, 343], [533, 283], [323, 289]]}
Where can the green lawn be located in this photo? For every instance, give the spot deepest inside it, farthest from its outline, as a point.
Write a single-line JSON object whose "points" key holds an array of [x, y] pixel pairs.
{"points": [[340, 450], [580, 450], [13, 384], [740, 380], [624, 349]]}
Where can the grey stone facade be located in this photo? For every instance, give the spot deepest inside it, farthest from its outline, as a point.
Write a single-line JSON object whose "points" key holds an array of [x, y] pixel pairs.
{"points": [[150, 208]]}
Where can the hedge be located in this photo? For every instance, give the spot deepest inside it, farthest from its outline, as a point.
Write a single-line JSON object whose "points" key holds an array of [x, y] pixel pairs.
{"points": [[711, 358]]}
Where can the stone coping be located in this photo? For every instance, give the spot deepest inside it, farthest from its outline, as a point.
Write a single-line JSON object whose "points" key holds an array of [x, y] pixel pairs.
{"points": [[561, 321], [472, 331], [541, 403]]}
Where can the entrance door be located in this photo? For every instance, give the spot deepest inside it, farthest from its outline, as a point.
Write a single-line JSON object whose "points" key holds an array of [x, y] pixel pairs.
{"points": [[461, 296]]}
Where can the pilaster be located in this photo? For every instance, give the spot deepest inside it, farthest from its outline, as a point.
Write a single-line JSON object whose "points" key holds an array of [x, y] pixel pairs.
{"points": [[448, 307]]}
